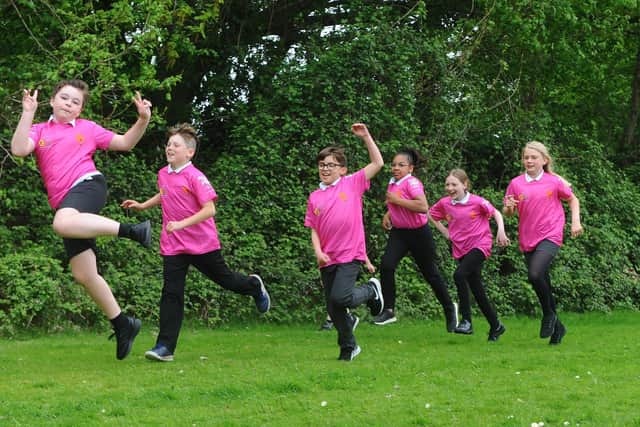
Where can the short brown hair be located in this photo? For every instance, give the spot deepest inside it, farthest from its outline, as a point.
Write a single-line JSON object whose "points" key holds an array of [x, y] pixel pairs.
{"points": [[336, 152], [187, 132], [78, 84]]}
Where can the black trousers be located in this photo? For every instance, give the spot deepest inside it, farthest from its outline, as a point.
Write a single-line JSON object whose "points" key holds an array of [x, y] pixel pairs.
{"points": [[419, 242], [468, 276], [341, 293], [538, 264], [175, 268]]}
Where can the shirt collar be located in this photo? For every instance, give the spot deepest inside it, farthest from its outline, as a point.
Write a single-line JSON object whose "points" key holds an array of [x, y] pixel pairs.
{"points": [[462, 201], [324, 186], [72, 122], [178, 170], [537, 178], [399, 181]]}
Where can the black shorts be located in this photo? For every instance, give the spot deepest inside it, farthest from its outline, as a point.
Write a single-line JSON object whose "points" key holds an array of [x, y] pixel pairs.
{"points": [[88, 196]]}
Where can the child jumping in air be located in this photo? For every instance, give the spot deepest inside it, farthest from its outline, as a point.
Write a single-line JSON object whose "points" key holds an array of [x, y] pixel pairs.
{"points": [[537, 197], [189, 237], [334, 214], [406, 220], [467, 217], [77, 191]]}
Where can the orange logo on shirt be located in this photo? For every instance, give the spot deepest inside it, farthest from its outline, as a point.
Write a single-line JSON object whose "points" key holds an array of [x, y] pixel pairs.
{"points": [[549, 194], [185, 189], [80, 138], [342, 196], [473, 214], [41, 143], [521, 197], [448, 217], [316, 211]]}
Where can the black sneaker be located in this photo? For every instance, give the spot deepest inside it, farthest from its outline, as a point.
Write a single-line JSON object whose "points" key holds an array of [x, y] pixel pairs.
{"points": [[451, 316], [355, 320], [376, 303], [327, 325], [141, 233], [547, 325], [159, 353], [262, 300], [348, 355], [494, 334], [464, 327], [125, 337], [558, 333], [387, 316]]}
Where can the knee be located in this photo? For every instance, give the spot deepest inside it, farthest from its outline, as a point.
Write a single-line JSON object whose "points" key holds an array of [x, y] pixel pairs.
{"points": [[84, 277], [536, 277], [460, 277], [59, 226], [339, 301]]}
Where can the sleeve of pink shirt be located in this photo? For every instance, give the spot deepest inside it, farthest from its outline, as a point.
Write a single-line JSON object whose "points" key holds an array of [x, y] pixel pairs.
{"points": [[564, 191], [202, 189], [309, 218], [486, 206], [415, 188], [101, 136], [437, 211]]}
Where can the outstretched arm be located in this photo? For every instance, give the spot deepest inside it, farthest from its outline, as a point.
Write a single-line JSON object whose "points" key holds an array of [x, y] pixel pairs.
{"points": [[576, 225], [132, 204], [21, 145], [361, 131], [501, 236], [440, 226], [129, 140]]}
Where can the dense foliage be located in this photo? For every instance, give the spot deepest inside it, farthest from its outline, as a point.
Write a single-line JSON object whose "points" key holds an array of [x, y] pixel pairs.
{"points": [[269, 84]]}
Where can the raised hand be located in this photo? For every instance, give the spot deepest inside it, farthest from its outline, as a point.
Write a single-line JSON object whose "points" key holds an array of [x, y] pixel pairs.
{"points": [[29, 101], [143, 106], [360, 130]]}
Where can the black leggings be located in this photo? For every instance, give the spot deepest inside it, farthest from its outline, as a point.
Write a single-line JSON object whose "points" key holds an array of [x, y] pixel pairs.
{"points": [[538, 264], [468, 275], [419, 242]]}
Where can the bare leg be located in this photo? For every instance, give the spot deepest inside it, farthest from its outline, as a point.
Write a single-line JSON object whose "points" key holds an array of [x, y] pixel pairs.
{"points": [[71, 224], [85, 272]]}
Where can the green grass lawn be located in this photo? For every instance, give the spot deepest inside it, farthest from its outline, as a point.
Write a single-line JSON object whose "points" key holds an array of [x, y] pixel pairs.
{"points": [[411, 373]]}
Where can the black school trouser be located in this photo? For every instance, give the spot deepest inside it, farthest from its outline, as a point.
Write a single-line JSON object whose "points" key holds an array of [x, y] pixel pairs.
{"points": [[419, 242], [468, 275], [175, 268], [339, 282], [538, 264]]}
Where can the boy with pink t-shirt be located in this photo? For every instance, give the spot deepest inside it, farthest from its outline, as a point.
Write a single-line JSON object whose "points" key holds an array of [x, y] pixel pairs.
{"points": [[334, 214], [77, 191], [189, 237], [537, 197], [467, 217]]}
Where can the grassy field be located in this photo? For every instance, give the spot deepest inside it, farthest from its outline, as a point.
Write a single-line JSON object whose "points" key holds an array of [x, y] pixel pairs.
{"points": [[411, 373]]}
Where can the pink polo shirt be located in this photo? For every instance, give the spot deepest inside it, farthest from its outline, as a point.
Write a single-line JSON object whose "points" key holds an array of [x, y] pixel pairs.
{"points": [[407, 188], [64, 153], [182, 194], [540, 209], [468, 223], [335, 212]]}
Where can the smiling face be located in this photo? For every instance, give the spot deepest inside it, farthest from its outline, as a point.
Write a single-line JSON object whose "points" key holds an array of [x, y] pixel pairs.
{"points": [[533, 161], [455, 188], [67, 104], [401, 166], [330, 170], [178, 151]]}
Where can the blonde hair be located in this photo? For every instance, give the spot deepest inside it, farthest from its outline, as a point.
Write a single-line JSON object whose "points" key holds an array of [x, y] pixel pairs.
{"points": [[542, 149], [461, 175]]}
